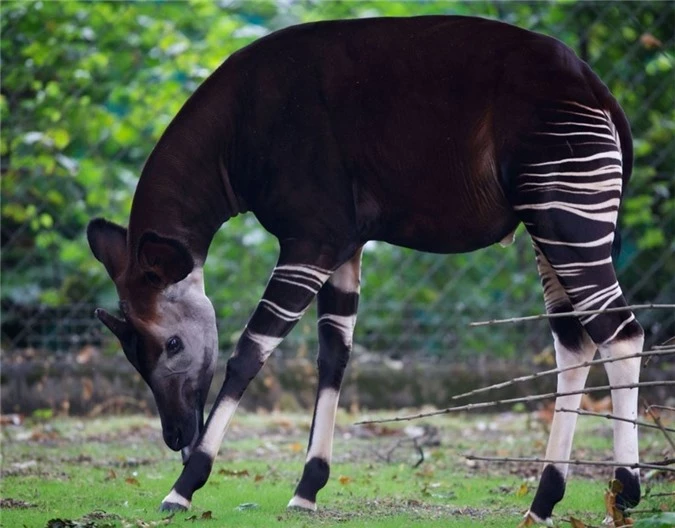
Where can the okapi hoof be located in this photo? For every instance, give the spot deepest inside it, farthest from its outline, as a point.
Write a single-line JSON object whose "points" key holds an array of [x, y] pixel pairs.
{"points": [[172, 507], [300, 504]]}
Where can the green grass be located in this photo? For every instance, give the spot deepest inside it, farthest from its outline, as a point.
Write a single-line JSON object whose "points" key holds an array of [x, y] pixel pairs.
{"points": [[114, 471]]}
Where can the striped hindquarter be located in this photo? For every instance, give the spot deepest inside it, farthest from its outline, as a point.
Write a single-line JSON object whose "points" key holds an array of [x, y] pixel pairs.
{"points": [[568, 192]]}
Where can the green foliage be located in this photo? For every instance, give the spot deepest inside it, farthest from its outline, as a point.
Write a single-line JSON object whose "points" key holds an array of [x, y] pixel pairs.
{"points": [[89, 87], [661, 520]]}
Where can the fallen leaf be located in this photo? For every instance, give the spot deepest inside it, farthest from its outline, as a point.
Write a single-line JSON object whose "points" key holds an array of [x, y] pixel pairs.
{"points": [[207, 515], [527, 522], [296, 447], [523, 490], [133, 481], [111, 475], [258, 478], [344, 480], [234, 472], [576, 523]]}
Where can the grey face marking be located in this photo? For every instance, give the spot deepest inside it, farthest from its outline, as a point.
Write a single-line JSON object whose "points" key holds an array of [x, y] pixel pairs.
{"points": [[185, 329]]}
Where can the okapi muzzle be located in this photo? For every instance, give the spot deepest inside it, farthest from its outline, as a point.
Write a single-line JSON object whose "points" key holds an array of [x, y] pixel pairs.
{"points": [[168, 330]]}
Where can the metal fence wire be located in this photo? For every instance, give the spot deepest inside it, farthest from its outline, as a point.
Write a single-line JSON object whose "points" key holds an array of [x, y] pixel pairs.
{"points": [[88, 88]]}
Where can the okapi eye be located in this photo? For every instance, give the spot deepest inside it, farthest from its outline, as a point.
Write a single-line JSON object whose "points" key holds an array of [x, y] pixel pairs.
{"points": [[174, 345]]}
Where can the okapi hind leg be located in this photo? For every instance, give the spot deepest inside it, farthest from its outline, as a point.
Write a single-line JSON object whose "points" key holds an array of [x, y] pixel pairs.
{"points": [[573, 345], [299, 275], [567, 192], [337, 306]]}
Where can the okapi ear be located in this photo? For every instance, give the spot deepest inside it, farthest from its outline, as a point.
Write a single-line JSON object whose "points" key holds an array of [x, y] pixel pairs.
{"points": [[123, 331], [164, 260], [108, 243]]}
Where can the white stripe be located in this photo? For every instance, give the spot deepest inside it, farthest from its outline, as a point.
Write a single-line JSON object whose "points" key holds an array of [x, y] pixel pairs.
{"points": [[607, 169], [565, 134], [344, 323], [582, 114], [594, 110], [295, 283], [324, 425], [606, 216], [597, 297], [219, 419], [317, 272], [266, 343], [280, 312], [608, 260], [610, 154], [576, 123], [308, 278], [595, 243], [601, 186], [176, 498], [620, 327]]}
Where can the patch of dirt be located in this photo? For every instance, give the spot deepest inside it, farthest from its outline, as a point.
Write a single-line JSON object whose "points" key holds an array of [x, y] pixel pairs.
{"points": [[380, 508], [9, 503]]}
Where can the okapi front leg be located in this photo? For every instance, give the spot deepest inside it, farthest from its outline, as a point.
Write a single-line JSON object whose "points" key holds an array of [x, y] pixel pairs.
{"points": [[289, 292], [337, 305]]}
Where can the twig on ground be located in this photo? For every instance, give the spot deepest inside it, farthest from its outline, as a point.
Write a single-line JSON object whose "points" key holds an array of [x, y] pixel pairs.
{"points": [[635, 465], [420, 451], [572, 314], [657, 421], [387, 457], [538, 397], [613, 417], [536, 375], [664, 407], [664, 494]]}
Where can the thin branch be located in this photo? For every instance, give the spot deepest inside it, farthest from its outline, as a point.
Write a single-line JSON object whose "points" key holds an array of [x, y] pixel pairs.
{"points": [[613, 417], [664, 494], [633, 465], [572, 314], [657, 421], [664, 407], [538, 397], [420, 451], [536, 375]]}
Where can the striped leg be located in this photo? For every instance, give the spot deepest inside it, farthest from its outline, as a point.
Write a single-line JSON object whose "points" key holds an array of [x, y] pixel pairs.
{"points": [[290, 290], [573, 345], [568, 198], [337, 306]]}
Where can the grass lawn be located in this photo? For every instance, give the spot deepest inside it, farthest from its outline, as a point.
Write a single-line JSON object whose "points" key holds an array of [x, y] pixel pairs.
{"points": [[114, 471]]}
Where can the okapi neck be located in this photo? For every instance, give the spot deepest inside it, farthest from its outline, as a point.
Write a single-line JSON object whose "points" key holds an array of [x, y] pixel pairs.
{"points": [[173, 203]]}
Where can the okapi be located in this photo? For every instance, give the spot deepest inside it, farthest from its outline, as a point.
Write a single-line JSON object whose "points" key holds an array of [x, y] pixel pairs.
{"points": [[437, 133]]}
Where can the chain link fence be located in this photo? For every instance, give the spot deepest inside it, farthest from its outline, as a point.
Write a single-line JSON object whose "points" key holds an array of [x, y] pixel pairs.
{"points": [[87, 89]]}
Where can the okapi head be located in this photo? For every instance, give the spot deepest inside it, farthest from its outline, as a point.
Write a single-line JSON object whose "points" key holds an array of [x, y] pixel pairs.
{"points": [[168, 329]]}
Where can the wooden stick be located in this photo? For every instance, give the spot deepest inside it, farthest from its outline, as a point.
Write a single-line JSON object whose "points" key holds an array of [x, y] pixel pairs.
{"points": [[538, 397], [633, 465], [664, 407], [573, 314], [657, 421], [613, 417], [536, 375]]}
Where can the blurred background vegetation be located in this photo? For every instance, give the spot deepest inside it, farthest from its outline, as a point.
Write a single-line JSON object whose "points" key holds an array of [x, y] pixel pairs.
{"points": [[87, 89]]}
